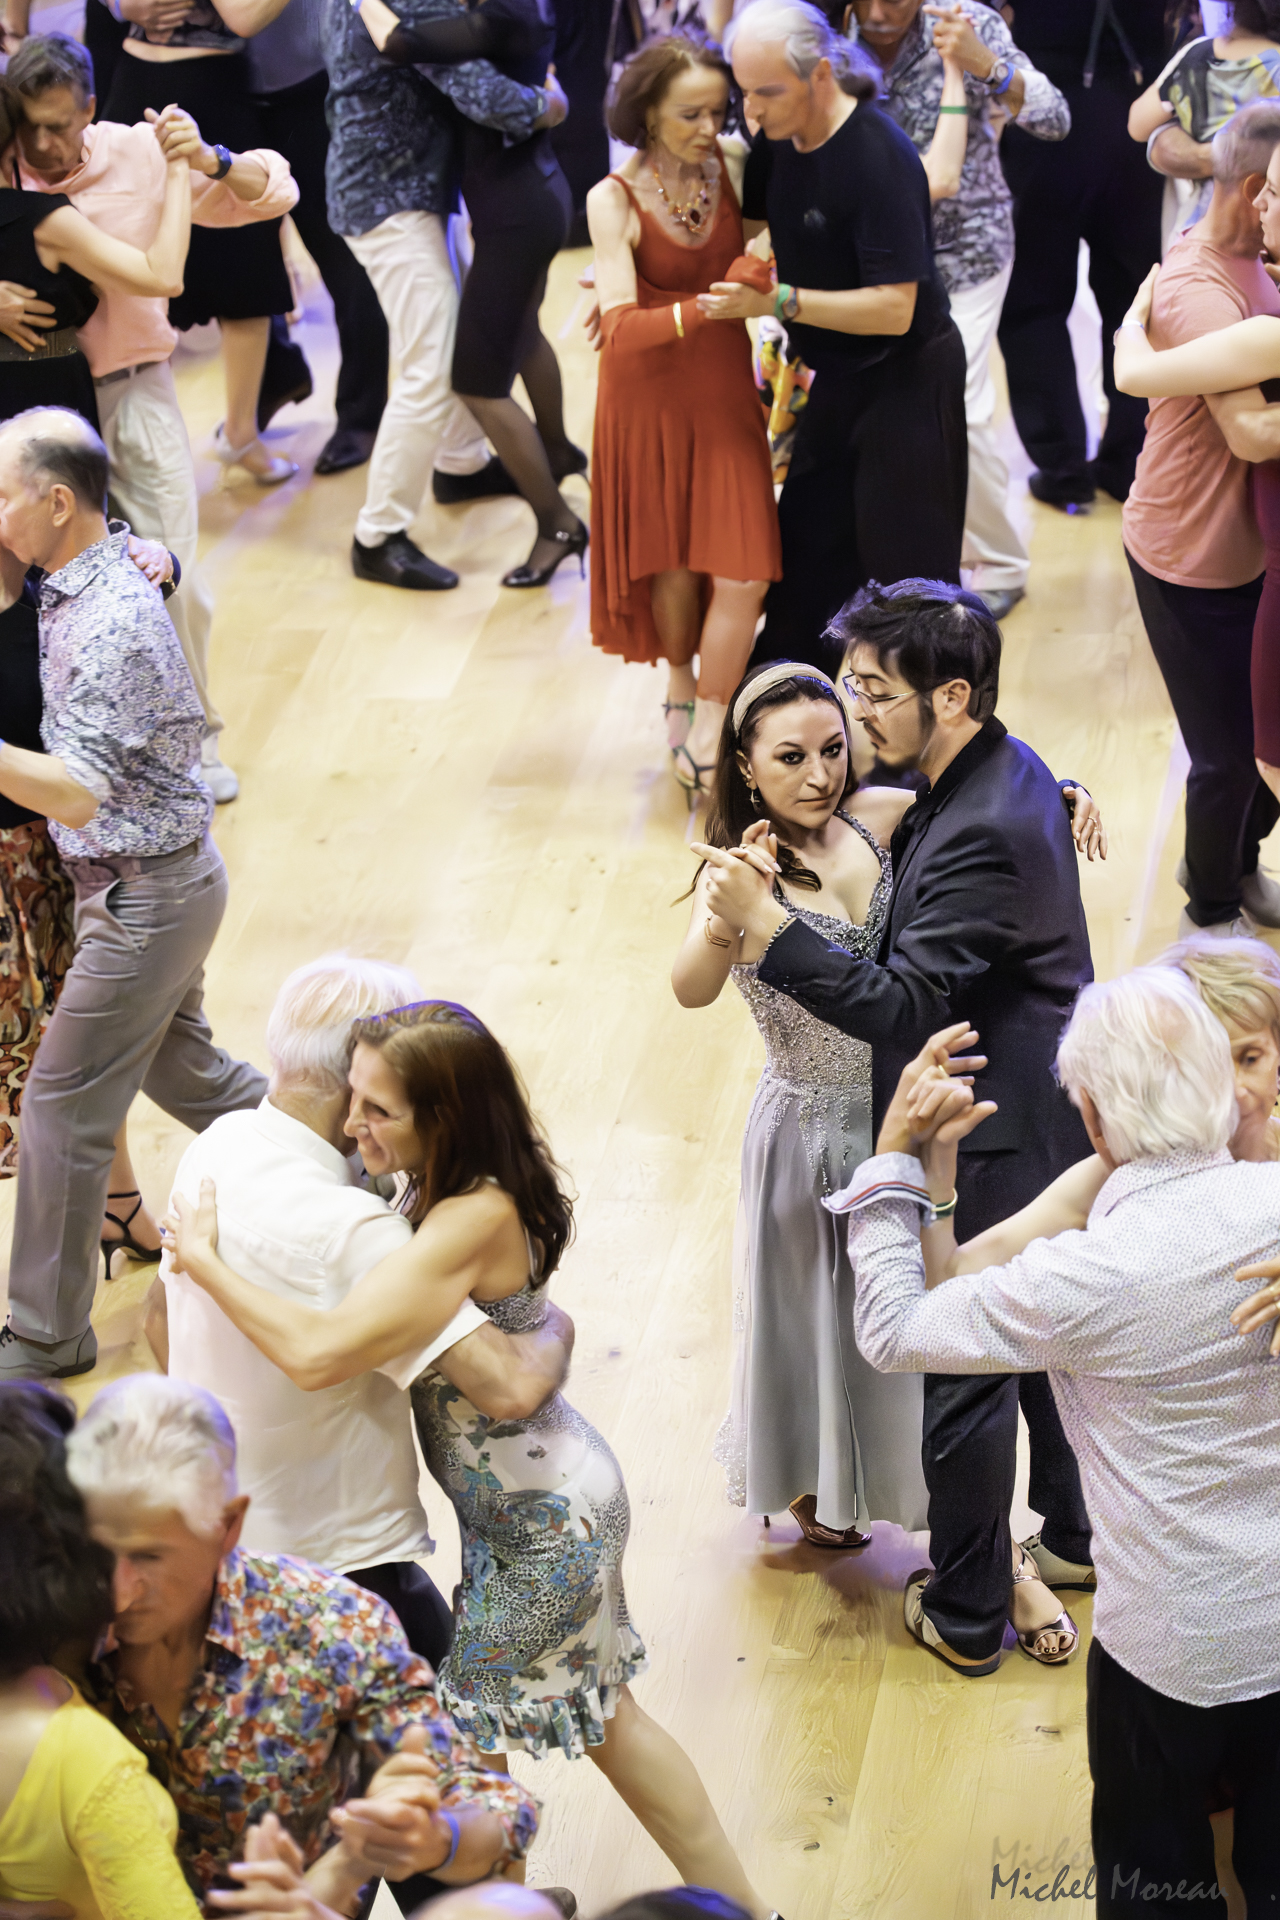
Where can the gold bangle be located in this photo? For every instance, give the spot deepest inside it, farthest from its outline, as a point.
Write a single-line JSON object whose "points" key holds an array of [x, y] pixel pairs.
{"points": [[679, 322]]}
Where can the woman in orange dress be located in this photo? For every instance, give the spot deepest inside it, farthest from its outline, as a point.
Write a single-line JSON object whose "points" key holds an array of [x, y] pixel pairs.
{"points": [[684, 530]]}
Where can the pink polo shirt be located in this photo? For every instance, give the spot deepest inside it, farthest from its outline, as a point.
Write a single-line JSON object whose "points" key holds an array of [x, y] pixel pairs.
{"points": [[119, 186]]}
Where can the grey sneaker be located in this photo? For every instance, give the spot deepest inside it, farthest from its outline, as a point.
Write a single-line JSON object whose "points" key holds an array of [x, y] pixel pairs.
{"points": [[1241, 928], [1001, 601], [1260, 897], [22, 1359], [1059, 1573]]}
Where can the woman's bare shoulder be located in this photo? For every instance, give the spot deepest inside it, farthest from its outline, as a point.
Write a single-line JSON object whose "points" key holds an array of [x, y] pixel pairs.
{"points": [[880, 809]]}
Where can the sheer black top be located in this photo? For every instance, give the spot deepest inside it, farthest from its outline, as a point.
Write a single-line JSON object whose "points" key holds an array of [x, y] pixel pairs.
{"points": [[516, 35], [21, 703]]}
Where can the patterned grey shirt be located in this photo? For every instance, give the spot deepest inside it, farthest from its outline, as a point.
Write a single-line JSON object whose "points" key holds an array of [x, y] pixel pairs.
{"points": [[972, 234], [120, 707], [391, 145], [1174, 1417]]}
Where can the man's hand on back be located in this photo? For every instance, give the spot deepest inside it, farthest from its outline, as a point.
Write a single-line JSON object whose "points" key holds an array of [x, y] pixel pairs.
{"points": [[21, 312]]}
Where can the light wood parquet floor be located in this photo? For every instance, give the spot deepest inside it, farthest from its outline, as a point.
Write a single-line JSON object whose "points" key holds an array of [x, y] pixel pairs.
{"points": [[459, 782]]}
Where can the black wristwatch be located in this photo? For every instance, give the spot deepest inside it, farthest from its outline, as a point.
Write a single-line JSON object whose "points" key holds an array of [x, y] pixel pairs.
{"points": [[226, 160]]}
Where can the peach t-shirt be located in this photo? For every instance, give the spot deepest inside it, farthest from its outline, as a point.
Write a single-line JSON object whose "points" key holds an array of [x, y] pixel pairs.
{"points": [[1189, 518]]}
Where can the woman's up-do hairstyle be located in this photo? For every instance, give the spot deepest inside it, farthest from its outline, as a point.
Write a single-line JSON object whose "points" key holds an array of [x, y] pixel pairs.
{"points": [[646, 78], [731, 809], [472, 1116], [807, 37], [55, 1579]]}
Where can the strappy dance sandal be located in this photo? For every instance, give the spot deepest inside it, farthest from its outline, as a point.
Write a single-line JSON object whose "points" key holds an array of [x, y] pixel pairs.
{"points": [[686, 707], [695, 779], [1029, 1637], [921, 1628], [277, 470], [836, 1539], [1069, 1574], [134, 1248]]}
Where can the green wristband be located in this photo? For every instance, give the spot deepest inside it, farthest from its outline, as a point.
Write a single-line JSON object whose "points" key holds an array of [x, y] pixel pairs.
{"points": [[963, 110], [780, 299]]}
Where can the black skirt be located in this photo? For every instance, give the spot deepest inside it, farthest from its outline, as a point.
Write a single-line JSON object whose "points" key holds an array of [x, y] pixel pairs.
{"points": [[64, 382], [232, 273], [520, 206]]}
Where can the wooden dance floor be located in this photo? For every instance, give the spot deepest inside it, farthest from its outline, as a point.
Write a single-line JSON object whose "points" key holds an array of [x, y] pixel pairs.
{"points": [[460, 783]]}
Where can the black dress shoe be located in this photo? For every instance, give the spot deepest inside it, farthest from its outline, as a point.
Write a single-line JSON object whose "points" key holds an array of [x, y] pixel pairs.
{"points": [[1064, 490], [348, 447], [1109, 479], [398, 563], [452, 489], [286, 376]]}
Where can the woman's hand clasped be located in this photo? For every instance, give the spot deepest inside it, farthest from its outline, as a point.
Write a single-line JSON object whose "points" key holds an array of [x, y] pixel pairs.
{"points": [[733, 300], [1087, 829], [1261, 1308], [190, 1234]]}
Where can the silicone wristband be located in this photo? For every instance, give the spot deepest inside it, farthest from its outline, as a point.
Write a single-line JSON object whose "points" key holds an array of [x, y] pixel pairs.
{"points": [[451, 1821], [963, 110]]}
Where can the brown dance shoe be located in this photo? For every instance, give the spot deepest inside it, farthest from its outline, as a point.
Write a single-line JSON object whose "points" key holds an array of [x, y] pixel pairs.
{"points": [[837, 1540]]}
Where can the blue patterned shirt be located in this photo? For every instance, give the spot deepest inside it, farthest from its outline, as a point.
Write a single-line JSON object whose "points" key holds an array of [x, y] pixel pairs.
{"points": [[391, 143], [121, 710]]}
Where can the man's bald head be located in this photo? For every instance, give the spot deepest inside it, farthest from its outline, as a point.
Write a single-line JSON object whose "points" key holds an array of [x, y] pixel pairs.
{"points": [[55, 447], [491, 1900]]}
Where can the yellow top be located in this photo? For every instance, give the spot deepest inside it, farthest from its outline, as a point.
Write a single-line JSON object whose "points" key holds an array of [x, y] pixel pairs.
{"points": [[90, 1826]]}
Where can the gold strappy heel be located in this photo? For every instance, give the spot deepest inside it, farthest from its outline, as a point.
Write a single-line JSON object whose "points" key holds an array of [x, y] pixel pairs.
{"points": [[1029, 1637]]}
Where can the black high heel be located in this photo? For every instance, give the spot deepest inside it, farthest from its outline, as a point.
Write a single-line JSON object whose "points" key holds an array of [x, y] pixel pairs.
{"points": [[569, 543], [565, 465], [126, 1240]]}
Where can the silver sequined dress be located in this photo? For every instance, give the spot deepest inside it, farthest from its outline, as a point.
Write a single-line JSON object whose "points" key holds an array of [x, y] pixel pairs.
{"points": [[542, 1637], [809, 1415]]}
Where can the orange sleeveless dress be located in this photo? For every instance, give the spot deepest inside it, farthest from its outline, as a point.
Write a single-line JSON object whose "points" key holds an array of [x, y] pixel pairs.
{"points": [[680, 470]]}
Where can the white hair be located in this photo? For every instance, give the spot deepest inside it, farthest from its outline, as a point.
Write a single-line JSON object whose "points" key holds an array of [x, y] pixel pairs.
{"points": [[309, 1030], [805, 35], [160, 1443], [1155, 1063]]}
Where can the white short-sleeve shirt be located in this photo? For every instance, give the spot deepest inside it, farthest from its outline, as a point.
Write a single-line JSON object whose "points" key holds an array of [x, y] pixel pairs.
{"points": [[333, 1475]]}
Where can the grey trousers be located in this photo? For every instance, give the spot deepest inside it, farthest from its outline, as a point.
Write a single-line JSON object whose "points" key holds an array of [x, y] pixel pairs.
{"points": [[130, 1017]]}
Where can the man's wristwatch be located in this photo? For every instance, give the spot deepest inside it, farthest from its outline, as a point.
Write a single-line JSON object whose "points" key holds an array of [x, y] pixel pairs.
{"points": [[997, 81], [225, 163]]}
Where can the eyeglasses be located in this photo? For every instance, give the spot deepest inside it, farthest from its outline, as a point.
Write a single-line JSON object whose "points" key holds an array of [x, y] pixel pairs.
{"points": [[877, 702]]}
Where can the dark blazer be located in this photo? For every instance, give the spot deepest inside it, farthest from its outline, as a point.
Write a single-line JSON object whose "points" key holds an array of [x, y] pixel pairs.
{"points": [[985, 924]]}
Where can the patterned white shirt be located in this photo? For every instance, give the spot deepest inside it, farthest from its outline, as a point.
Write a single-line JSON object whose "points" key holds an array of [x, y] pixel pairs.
{"points": [[120, 707], [1174, 1417], [973, 233]]}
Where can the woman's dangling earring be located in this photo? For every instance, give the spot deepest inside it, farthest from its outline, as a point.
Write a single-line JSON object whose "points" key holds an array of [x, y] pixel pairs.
{"points": [[755, 799]]}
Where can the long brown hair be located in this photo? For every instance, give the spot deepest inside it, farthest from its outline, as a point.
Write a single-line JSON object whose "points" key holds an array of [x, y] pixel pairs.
{"points": [[472, 1116]]}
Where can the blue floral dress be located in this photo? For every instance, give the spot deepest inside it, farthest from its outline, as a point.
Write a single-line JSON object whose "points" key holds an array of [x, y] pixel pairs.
{"points": [[542, 1637]]}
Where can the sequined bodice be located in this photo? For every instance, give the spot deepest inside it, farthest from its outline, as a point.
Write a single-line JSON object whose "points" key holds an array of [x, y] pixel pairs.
{"points": [[805, 1052], [521, 1312]]}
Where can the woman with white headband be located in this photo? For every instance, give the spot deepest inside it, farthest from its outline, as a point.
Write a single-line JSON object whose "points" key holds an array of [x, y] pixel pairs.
{"points": [[812, 1427]]}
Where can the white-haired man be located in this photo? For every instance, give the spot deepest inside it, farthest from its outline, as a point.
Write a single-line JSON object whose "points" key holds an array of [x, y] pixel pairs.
{"points": [[876, 488], [258, 1684], [122, 726], [1174, 1419], [332, 1473]]}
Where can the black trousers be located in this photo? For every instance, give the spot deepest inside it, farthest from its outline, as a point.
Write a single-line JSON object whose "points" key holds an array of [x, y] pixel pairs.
{"points": [[875, 491], [1202, 638], [293, 124], [1160, 1768], [971, 1437], [581, 142], [1094, 186], [417, 1603]]}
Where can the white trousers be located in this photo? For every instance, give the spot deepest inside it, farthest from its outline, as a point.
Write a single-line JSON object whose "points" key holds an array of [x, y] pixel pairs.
{"points": [[991, 541], [153, 487], [408, 260]]}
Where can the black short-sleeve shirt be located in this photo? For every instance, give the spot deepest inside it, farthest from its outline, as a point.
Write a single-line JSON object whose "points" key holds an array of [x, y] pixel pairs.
{"points": [[854, 212]]}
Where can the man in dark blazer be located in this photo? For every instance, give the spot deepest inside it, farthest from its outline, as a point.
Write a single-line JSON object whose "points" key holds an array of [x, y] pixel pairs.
{"points": [[985, 924]]}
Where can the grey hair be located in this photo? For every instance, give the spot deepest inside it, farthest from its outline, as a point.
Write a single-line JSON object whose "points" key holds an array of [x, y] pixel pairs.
{"points": [[1245, 143], [1155, 1063], [48, 60], [309, 1030], [806, 37], [57, 447], [160, 1443]]}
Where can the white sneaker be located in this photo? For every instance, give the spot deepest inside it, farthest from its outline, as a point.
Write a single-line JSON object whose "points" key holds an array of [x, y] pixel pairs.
{"points": [[220, 779]]}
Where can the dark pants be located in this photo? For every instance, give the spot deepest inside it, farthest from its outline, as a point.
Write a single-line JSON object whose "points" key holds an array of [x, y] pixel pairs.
{"points": [[417, 1603], [1160, 1768], [1094, 186], [580, 141], [971, 1437], [293, 123], [104, 36], [876, 491], [1202, 638]]}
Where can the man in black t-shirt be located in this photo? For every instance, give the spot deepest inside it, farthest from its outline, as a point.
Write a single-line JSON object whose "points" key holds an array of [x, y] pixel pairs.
{"points": [[876, 488]]}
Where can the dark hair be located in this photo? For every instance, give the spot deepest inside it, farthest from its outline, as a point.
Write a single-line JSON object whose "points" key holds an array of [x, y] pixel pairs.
{"points": [[49, 458], [48, 60], [929, 632], [678, 1903], [55, 1579], [1257, 16], [730, 811], [472, 1116], [646, 79]]}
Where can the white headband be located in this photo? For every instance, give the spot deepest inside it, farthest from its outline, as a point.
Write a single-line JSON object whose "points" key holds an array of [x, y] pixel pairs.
{"points": [[774, 677]]}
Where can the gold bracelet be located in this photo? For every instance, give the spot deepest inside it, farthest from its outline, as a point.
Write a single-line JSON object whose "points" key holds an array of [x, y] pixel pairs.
{"points": [[679, 322], [712, 939]]}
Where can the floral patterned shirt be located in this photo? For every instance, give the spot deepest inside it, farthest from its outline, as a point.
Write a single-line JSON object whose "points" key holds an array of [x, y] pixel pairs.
{"points": [[391, 138], [120, 707], [972, 234], [307, 1686]]}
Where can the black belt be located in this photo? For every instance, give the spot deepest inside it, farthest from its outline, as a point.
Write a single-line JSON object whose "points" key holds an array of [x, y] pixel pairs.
{"points": [[53, 346]]}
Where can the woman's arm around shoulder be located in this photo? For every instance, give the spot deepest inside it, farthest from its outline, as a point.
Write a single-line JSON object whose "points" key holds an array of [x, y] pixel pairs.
{"points": [[615, 231], [707, 953], [1064, 1205]]}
